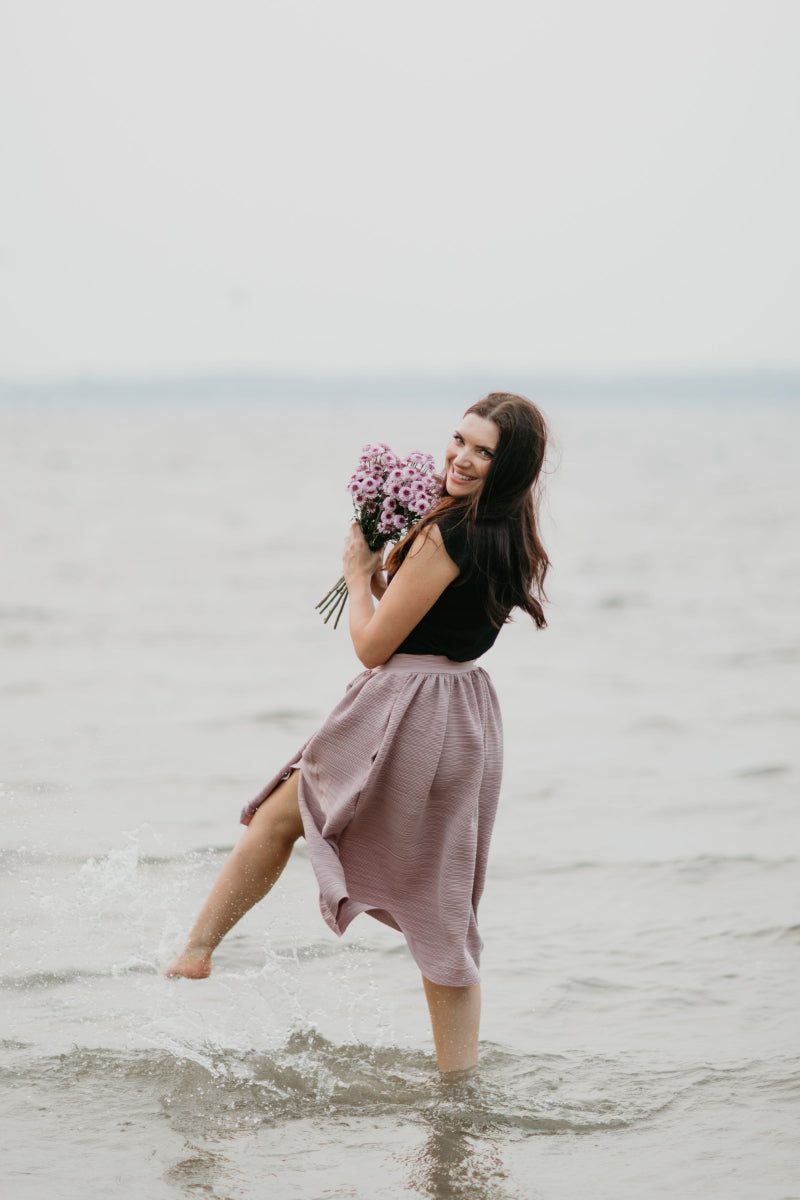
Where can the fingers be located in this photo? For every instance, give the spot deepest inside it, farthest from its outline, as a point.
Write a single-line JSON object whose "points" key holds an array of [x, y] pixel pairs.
{"points": [[357, 554], [354, 535]]}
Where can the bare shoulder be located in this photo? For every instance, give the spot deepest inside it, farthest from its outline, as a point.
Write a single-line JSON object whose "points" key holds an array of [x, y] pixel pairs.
{"points": [[430, 544], [421, 578], [427, 561]]}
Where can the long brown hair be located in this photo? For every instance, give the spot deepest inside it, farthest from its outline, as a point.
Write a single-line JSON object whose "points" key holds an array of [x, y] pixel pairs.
{"points": [[509, 560]]}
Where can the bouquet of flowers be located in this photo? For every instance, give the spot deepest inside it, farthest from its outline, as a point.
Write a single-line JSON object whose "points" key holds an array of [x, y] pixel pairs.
{"points": [[390, 495]]}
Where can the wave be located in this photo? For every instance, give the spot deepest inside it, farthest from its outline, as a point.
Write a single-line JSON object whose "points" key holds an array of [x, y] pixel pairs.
{"points": [[296, 953], [208, 1088], [764, 769], [699, 863], [25, 857], [14, 613], [312, 1078], [770, 933], [50, 979], [773, 656]]}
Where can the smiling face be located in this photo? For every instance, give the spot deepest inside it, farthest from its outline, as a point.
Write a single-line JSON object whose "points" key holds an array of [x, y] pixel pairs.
{"points": [[469, 455]]}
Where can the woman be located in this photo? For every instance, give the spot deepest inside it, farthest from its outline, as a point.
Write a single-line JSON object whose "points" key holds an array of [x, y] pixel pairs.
{"points": [[396, 792]]}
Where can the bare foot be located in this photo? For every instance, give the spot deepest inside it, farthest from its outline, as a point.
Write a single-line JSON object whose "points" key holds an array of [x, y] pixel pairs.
{"points": [[192, 963]]}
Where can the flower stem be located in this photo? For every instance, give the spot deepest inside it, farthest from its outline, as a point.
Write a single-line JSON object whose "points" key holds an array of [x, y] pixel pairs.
{"points": [[334, 602]]}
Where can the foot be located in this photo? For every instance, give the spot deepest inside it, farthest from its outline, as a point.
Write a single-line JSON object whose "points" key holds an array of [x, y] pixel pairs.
{"points": [[192, 963]]}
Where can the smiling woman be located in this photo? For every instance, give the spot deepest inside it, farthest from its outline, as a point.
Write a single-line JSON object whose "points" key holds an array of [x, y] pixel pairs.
{"points": [[470, 454], [492, 482], [396, 792]]}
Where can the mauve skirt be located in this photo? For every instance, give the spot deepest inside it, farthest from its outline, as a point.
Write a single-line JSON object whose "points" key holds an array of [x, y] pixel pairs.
{"points": [[398, 792]]}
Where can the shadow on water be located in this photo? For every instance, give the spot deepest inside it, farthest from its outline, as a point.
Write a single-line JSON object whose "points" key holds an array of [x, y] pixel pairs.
{"points": [[460, 1157], [200, 1174], [452, 1165]]}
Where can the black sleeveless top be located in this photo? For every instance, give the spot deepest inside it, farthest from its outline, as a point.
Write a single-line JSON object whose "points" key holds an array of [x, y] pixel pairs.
{"points": [[456, 625]]}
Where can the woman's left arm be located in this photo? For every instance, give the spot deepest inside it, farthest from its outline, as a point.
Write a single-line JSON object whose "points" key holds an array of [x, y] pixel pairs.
{"points": [[418, 584]]}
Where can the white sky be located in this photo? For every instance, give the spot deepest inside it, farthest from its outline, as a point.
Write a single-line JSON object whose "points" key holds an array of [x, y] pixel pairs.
{"points": [[350, 185]]}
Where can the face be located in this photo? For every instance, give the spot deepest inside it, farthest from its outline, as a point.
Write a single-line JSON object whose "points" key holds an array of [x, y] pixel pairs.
{"points": [[469, 454]]}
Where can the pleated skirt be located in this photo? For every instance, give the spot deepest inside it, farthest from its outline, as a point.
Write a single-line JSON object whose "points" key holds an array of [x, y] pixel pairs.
{"points": [[398, 793]]}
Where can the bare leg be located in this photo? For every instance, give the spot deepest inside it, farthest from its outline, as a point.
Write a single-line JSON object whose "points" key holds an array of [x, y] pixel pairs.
{"points": [[455, 1018], [253, 867]]}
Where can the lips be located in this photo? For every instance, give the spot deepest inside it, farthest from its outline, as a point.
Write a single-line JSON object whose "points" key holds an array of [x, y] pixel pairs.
{"points": [[458, 478]]}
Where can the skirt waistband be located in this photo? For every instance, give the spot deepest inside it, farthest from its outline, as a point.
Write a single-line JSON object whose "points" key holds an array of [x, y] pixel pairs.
{"points": [[430, 663]]}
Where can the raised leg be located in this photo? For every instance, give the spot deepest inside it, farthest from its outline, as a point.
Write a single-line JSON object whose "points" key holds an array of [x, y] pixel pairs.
{"points": [[455, 1019], [254, 865]]}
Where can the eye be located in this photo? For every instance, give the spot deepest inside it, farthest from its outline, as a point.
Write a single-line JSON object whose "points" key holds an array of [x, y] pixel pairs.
{"points": [[458, 438], [486, 453]]}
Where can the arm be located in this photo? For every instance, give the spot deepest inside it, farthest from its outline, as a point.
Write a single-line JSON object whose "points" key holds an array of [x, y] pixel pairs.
{"points": [[378, 584], [420, 581]]}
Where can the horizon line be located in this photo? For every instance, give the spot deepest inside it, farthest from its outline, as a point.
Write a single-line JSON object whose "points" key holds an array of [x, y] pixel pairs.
{"points": [[271, 384]]}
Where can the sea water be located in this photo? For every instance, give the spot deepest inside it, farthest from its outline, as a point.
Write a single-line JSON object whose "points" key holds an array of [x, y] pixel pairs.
{"points": [[161, 656]]}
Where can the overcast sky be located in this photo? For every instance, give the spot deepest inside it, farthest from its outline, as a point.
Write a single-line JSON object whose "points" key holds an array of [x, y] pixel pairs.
{"points": [[347, 185]]}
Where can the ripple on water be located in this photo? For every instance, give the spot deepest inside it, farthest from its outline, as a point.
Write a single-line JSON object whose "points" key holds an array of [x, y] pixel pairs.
{"points": [[208, 1087]]}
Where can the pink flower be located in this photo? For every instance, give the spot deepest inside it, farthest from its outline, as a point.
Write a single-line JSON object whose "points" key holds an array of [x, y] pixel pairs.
{"points": [[387, 493], [419, 461], [375, 453]]}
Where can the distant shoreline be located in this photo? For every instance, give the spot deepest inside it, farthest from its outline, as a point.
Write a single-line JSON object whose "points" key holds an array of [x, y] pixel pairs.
{"points": [[234, 386]]}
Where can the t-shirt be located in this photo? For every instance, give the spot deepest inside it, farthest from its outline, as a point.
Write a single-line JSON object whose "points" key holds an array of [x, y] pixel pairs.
{"points": [[456, 625]]}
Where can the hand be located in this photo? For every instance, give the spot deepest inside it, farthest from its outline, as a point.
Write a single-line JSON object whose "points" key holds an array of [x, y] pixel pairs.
{"points": [[357, 558]]}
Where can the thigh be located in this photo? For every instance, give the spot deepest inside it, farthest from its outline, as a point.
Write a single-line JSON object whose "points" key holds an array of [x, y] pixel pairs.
{"points": [[280, 812]]}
